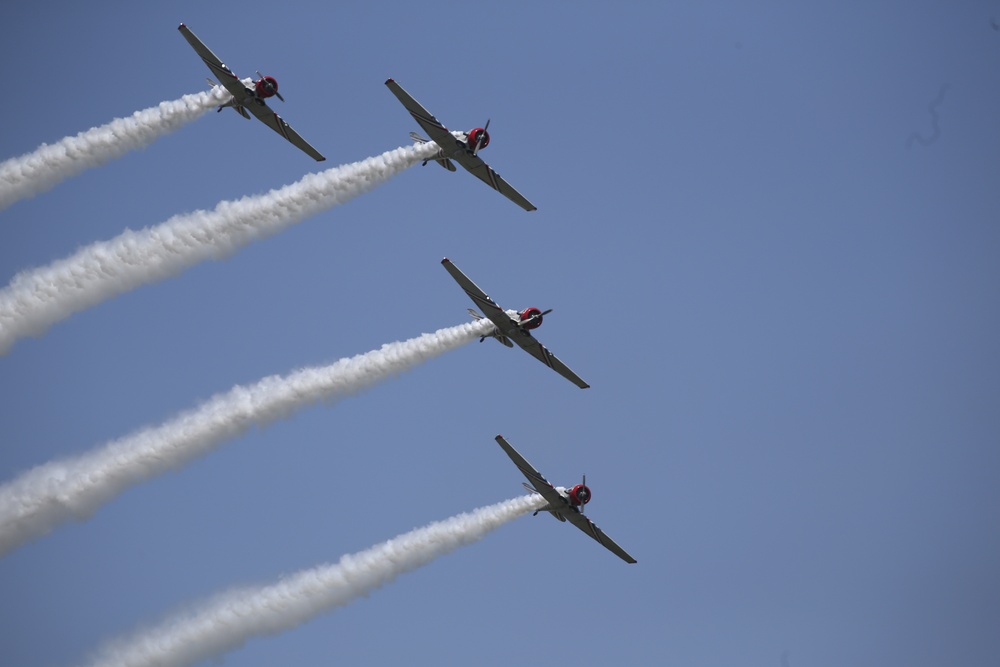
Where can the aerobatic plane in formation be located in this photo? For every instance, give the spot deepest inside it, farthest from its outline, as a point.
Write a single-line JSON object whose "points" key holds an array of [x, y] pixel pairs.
{"points": [[512, 325], [566, 504], [462, 147], [249, 98]]}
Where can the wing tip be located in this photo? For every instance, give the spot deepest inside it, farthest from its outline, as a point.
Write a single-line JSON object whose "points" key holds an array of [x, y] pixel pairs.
{"points": [[445, 261], [181, 27], [389, 80]]}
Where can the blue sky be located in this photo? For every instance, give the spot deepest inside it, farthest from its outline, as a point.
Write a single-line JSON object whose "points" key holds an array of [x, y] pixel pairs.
{"points": [[787, 316]]}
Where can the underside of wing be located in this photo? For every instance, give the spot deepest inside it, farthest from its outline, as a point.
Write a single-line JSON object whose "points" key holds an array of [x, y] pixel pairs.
{"points": [[218, 68], [538, 351], [541, 484], [431, 125], [490, 308], [483, 172], [278, 124], [586, 525]]}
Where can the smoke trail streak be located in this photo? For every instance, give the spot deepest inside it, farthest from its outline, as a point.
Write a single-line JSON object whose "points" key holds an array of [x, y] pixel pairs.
{"points": [[52, 493], [227, 620], [39, 297], [36, 172], [935, 121]]}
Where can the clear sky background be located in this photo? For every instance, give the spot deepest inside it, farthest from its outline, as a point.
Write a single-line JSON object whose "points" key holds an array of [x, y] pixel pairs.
{"points": [[788, 316]]}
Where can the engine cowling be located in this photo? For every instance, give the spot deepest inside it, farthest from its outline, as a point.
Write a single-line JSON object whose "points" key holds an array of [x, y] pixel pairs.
{"points": [[266, 86], [579, 495], [528, 313], [476, 135]]}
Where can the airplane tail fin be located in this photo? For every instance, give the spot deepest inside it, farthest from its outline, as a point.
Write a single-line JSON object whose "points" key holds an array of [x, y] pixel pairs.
{"points": [[212, 85], [547, 508], [444, 162], [495, 333], [238, 108]]}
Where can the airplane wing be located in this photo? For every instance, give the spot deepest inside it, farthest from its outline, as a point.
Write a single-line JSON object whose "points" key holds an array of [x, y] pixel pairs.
{"points": [[542, 485], [482, 171], [538, 351], [481, 299], [278, 124], [431, 125], [556, 499], [219, 69], [586, 525], [457, 149]]}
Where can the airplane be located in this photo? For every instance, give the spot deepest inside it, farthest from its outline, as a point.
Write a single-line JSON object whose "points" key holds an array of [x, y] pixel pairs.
{"points": [[512, 325], [462, 147], [249, 98], [563, 504]]}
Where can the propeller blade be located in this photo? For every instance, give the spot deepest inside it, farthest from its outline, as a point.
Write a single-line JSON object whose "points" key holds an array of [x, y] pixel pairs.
{"points": [[482, 135], [270, 86], [534, 317], [584, 504]]}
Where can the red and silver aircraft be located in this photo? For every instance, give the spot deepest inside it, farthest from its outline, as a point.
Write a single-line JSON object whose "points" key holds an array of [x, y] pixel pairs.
{"points": [[512, 325], [462, 147], [563, 504], [249, 98]]}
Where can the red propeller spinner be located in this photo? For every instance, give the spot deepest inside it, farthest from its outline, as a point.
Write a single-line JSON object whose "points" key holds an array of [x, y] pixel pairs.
{"points": [[579, 495], [479, 138], [267, 86]]}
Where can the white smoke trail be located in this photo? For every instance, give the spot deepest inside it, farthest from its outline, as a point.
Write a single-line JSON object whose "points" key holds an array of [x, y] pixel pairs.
{"points": [[36, 172], [54, 492], [39, 297], [227, 620]]}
